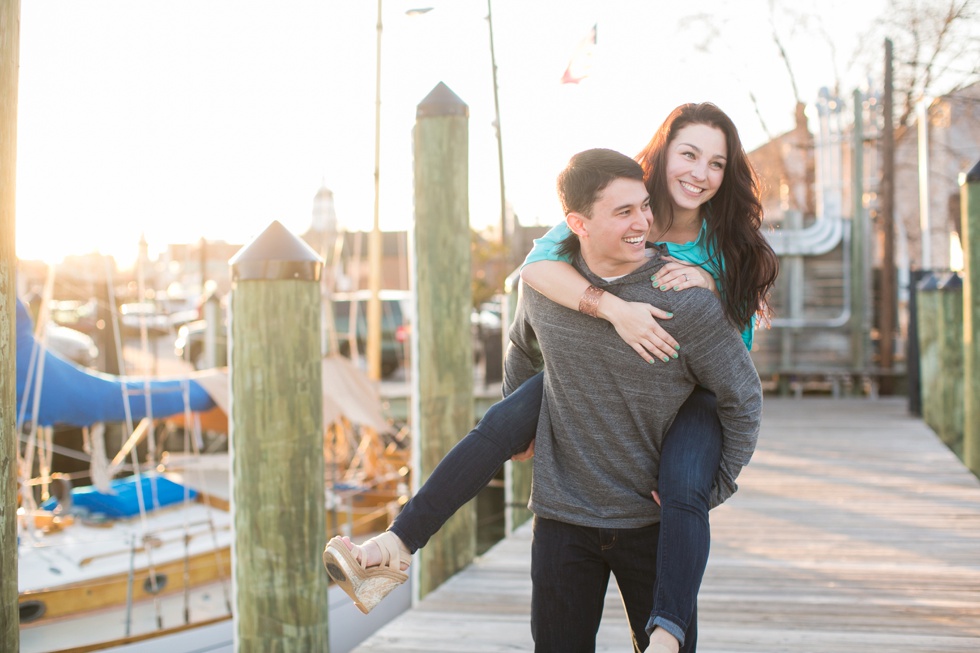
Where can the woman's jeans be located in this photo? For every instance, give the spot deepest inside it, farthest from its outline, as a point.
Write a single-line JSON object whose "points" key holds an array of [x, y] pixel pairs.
{"points": [[688, 463], [506, 429]]}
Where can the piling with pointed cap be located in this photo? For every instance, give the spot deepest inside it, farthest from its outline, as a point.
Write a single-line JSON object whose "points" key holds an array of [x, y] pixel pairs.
{"points": [[970, 203], [930, 374], [442, 359], [276, 445], [9, 65], [949, 324]]}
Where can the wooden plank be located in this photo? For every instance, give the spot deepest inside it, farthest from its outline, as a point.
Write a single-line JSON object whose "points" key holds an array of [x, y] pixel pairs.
{"points": [[855, 529]]}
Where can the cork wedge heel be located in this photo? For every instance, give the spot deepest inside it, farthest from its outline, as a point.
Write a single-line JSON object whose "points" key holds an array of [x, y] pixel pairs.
{"points": [[366, 586]]}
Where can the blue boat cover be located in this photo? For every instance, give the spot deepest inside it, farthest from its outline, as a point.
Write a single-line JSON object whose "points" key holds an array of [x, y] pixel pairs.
{"points": [[77, 396], [123, 501]]}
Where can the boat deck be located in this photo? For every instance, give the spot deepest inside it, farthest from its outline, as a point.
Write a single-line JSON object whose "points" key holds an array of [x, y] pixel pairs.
{"points": [[855, 530]]}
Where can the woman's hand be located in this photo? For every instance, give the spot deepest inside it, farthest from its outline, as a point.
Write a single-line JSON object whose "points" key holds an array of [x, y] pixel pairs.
{"points": [[527, 454], [676, 275], [635, 324]]}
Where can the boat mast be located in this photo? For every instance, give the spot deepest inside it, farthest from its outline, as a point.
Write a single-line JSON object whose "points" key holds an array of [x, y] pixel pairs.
{"points": [[373, 344]]}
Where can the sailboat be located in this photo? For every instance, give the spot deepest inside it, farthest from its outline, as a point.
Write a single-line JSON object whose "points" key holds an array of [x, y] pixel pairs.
{"points": [[148, 553]]}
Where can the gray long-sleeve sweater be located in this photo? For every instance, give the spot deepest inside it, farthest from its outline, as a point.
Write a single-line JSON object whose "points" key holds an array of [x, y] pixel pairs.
{"points": [[605, 411]]}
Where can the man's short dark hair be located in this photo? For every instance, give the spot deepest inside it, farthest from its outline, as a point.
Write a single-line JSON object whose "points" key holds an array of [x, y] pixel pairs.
{"points": [[583, 180], [588, 173]]}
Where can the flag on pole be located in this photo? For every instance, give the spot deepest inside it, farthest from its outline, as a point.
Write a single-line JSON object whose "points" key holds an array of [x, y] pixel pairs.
{"points": [[580, 64]]}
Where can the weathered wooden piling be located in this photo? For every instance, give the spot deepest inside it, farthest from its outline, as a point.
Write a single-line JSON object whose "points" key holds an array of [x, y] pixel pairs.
{"points": [[939, 322], [949, 323], [9, 66], [276, 444], [442, 357], [517, 475], [970, 203], [927, 308]]}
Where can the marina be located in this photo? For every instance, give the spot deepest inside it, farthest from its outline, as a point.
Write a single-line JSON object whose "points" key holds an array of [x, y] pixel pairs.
{"points": [[215, 380]]}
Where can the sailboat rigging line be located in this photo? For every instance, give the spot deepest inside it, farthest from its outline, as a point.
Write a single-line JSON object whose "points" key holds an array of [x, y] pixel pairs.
{"points": [[151, 448], [45, 459], [129, 584], [37, 370], [67, 453], [129, 426], [185, 393], [192, 442], [187, 577]]}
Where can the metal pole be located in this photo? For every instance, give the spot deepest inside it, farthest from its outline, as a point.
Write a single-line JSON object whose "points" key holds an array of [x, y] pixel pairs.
{"points": [[373, 344], [858, 235], [504, 240], [888, 291], [922, 117]]}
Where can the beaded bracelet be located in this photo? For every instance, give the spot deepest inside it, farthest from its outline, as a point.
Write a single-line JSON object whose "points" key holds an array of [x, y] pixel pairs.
{"points": [[589, 304]]}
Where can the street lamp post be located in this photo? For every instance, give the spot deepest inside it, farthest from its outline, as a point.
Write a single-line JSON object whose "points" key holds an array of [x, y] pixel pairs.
{"points": [[496, 108], [373, 344], [500, 141]]}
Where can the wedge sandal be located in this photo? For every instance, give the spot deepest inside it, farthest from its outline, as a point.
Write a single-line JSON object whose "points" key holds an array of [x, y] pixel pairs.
{"points": [[366, 586]]}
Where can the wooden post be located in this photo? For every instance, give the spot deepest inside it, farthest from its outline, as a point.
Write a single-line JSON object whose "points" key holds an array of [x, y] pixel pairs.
{"points": [[517, 475], [913, 363], [927, 310], [276, 445], [970, 202], [9, 66], [442, 358], [949, 324]]}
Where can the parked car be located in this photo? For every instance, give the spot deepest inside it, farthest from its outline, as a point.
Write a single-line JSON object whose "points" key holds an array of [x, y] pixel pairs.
{"points": [[74, 314], [134, 314], [189, 344], [74, 345], [395, 311], [486, 326]]}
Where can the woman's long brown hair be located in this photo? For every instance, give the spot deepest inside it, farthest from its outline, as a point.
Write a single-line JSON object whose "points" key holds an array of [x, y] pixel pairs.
{"points": [[733, 216]]}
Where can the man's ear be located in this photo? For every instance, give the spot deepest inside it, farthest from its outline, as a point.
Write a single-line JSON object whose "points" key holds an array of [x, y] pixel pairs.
{"points": [[578, 223]]}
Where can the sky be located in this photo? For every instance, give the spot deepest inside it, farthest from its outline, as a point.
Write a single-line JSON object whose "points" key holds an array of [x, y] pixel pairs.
{"points": [[180, 120]]}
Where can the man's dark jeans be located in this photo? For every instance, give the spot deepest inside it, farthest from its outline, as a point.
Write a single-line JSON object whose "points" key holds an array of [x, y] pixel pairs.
{"points": [[570, 568]]}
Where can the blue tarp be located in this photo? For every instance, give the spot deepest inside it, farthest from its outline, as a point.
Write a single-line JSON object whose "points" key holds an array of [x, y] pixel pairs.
{"points": [[76, 396], [123, 499]]}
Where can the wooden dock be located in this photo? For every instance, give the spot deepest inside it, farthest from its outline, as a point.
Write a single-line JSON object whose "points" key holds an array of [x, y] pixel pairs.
{"points": [[855, 530]]}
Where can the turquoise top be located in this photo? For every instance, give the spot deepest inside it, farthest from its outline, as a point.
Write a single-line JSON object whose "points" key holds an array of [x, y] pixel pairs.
{"points": [[697, 253]]}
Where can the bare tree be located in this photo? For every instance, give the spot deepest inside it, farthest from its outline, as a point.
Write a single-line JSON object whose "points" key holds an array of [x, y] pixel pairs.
{"points": [[782, 49], [936, 49]]}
